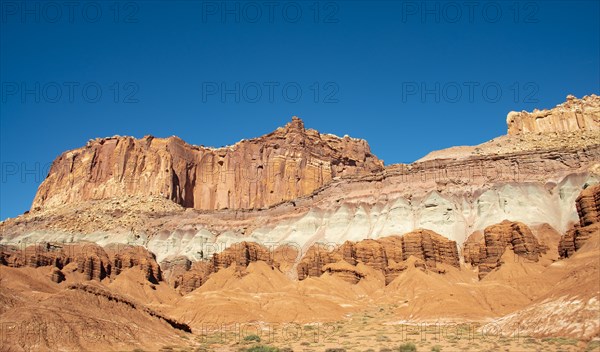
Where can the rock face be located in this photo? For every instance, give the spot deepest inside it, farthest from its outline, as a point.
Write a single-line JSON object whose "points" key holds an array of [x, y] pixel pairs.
{"points": [[91, 260], [486, 253], [257, 173], [573, 115], [588, 206], [56, 275], [386, 255], [240, 254], [125, 257], [588, 209]]}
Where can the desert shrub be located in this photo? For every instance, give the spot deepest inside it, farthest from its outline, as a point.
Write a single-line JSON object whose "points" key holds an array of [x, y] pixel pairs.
{"points": [[252, 338], [407, 347], [261, 349], [436, 348], [593, 346]]}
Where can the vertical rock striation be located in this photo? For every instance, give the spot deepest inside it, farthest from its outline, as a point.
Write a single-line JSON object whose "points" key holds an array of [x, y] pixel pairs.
{"points": [[588, 209], [283, 165], [487, 253], [386, 255], [572, 115]]}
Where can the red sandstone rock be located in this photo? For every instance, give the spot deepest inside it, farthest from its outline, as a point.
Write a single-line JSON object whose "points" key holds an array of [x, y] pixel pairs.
{"points": [[93, 261], [386, 254], [256, 173], [239, 254], [588, 208], [487, 252], [573, 115]]}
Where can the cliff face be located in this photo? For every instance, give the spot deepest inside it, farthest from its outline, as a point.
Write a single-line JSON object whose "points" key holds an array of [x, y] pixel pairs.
{"points": [[89, 259], [487, 253], [588, 209], [186, 276], [257, 173], [573, 115], [387, 255], [588, 206]]}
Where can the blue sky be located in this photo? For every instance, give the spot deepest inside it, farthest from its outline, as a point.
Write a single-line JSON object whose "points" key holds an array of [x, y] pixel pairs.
{"points": [[408, 76]]}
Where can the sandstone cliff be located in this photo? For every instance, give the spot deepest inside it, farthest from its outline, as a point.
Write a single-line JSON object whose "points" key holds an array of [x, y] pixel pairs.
{"points": [[387, 255], [486, 253], [186, 276], [588, 208], [573, 115], [88, 259], [257, 173]]}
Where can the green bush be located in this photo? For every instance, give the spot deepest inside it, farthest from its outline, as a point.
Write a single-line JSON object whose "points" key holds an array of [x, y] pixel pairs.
{"points": [[252, 338], [261, 349], [436, 348], [407, 347]]}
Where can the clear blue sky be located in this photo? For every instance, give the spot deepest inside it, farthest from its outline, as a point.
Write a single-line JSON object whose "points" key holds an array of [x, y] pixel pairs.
{"points": [[161, 68]]}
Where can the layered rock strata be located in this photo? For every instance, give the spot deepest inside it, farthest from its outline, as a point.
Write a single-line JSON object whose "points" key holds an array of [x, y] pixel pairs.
{"points": [[486, 253], [190, 276], [572, 115], [588, 208], [283, 165], [89, 259], [386, 255]]}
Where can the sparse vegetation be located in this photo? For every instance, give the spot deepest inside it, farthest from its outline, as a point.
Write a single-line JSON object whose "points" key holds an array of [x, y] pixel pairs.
{"points": [[407, 347], [261, 348], [563, 341], [593, 346], [436, 348], [253, 337]]}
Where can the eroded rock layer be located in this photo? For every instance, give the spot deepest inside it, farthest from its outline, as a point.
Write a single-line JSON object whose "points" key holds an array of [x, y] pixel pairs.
{"points": [[386, 255], [486, 253], [286, 164], [572, 115], [89, 259], [187, 276], [588, 208]]}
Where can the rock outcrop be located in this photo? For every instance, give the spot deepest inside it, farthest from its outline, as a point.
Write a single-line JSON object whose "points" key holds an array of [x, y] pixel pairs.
{"points": [[125, 257], [588, 205], [486, 253], [573, 115], [386, 255], [89, 259], [588, 209], [283, 165], [187, 276]]}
